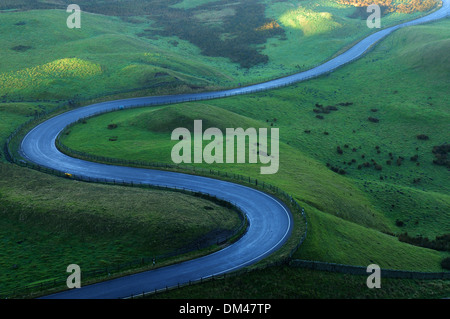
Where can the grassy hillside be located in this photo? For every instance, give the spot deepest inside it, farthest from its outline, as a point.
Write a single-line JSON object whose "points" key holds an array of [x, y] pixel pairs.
{"points": [[48, 223], [165, 119], [363, 201], [63, 64], [140, 138], [291, 283], [205, 46]]}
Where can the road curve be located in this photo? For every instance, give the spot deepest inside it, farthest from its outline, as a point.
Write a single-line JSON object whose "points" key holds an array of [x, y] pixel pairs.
{"points": [[270, 220]]}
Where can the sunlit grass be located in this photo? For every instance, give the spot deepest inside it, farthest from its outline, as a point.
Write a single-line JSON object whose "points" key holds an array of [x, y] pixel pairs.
{"points": [[45, 74], [310, 22]]}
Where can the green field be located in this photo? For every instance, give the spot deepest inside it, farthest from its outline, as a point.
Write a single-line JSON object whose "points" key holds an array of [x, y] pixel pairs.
{"points": [[48, 223], [352, 215], [48, 61], [132, 49]]}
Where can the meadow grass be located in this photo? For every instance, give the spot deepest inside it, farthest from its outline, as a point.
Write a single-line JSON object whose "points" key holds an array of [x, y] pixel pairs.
{"points": [[316, 31], [48, 223], [283, 282], [363, 206], [15, 114], [96, 55], [60, 63]]}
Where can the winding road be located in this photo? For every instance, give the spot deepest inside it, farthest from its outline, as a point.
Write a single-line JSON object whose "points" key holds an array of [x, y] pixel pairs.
{"points": [[270, 220]]}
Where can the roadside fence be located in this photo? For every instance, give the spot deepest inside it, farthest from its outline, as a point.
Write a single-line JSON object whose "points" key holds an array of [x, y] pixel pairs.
{"points": [[360, 270]]}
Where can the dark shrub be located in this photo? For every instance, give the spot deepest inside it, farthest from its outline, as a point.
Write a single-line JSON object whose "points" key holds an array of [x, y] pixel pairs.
{"points": [[160, 74], [325, 110], [399, 223], [373, 119], [441, 243], [331, 108], [422, 137], [440, 152], [445, 263], [21, 48], [112, 126]]}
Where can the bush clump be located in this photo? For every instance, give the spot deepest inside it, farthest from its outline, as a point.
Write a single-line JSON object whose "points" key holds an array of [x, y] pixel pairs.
{"points": [[423, 137], [445, 263], [399, 223], [441, 243], [441, 152], [21, 48]]}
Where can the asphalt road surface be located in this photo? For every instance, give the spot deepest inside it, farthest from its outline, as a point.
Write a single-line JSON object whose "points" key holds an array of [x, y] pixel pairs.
{"points": [[271, 222]]}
